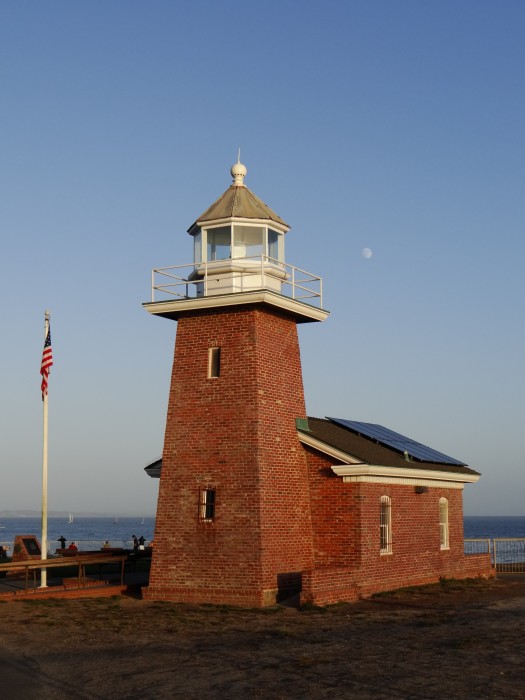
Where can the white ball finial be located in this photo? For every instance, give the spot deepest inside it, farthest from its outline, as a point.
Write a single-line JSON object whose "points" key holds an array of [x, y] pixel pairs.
{"points": [[238, 172]]}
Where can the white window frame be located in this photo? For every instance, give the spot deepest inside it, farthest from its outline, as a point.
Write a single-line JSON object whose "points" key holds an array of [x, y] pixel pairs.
{"points": [[444, 532], [385, 525], [236, 248]]}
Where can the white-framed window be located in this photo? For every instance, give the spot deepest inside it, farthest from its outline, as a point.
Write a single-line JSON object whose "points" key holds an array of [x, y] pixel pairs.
{"points": [[219, 243], [385, 525], [248, 241], [275, 243], [237, 241], [443, 524], [207, 505], [214, 363]]}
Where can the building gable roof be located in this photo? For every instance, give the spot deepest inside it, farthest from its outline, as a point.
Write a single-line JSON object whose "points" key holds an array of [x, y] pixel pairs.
{"points": [[362, 450]]}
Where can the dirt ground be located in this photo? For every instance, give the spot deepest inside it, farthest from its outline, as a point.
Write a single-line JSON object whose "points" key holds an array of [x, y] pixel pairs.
{"points": [[452, 640]]}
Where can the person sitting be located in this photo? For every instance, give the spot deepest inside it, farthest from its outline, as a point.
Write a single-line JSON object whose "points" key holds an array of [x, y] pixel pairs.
{"points": [[106, 545], [73, 547], [3, 553]]}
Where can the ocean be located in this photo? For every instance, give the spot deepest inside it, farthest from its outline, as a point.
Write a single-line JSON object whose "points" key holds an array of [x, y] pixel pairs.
{"points": [[492, 526], [88, 533], [91, 533]]}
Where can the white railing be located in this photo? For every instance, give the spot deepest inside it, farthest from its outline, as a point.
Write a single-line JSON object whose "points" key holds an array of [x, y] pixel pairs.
{"points": [[507, 553], [477, 546], [257, 272]]}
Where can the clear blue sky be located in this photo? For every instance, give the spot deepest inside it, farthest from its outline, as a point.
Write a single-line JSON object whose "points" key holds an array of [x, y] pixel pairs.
{"points": [[396, 126]]}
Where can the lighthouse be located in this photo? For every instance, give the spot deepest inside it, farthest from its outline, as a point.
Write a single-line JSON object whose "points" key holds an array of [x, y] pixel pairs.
{"points": [[233, 521]]}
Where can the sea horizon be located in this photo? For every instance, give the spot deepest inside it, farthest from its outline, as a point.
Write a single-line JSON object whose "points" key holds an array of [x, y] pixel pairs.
{"points": [[93, 530]]}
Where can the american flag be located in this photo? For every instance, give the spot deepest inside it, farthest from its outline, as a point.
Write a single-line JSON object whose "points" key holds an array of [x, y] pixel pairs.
{"points": [[47, 362]]}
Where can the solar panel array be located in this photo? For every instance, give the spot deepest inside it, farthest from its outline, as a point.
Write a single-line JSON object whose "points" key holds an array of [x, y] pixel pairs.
{"points": [[398, 442]]}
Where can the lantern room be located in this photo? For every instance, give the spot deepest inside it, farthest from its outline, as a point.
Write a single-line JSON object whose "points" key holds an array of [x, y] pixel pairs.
{"points": [[238, 258], [238, 243]]}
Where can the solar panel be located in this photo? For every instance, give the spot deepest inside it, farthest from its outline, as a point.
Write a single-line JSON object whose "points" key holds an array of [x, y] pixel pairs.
{"points": [[398, 442]]}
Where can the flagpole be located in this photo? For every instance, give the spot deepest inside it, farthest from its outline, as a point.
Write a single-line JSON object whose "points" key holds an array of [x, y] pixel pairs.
{"points": [[43, 576]]}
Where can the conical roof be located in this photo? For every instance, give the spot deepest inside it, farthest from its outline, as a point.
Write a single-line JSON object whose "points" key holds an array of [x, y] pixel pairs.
{"points": [[238, 202]]}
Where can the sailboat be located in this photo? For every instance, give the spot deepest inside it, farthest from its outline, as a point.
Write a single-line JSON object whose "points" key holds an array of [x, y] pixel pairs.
{"points": [[115, 522], [71, 520], [142, 521]]}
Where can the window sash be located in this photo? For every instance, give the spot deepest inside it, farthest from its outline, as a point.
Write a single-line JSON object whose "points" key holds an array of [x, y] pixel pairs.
{"points": [[385, 527], [207, 505], [443, 524]]}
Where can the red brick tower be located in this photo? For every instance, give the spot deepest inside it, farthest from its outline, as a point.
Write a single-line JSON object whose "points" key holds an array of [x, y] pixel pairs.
{"points": [[233, 517]]}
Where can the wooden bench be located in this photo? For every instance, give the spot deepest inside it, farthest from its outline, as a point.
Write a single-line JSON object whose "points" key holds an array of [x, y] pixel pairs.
{"points": [[81, 561]]}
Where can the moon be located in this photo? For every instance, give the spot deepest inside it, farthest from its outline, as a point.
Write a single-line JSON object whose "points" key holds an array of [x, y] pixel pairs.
{"points": [[366, 253]]}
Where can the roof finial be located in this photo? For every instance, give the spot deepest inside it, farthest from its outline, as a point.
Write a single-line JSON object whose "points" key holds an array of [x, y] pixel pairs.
{"points": [[238, 172]]}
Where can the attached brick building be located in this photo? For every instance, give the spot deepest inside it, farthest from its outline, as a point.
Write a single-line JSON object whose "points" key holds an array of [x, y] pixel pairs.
{"points": [[257, 501]]}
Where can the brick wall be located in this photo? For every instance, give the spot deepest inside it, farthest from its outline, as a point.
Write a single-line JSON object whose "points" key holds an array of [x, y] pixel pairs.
{"points": [[347, 559], [282, 515], [235, 434]]}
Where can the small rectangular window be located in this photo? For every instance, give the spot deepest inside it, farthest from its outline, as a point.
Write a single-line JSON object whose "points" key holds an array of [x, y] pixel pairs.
{"points": [[214, 363], [207, 505]]}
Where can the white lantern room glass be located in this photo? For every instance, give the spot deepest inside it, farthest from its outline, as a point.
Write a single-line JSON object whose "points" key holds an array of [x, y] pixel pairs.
{"points": [[248, 241], [219, 243], [275, 245], [197, 247]]}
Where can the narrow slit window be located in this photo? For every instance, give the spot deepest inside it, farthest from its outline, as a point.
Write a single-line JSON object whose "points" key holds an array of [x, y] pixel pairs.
{"points": [[207, 505], [385, 526], [214, 363], [443, 524]]}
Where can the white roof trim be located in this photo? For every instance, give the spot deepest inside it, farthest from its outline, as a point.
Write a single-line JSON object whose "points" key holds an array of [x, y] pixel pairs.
{"points": [[297, 308], [235, 220], [398, 481], [349, 470], [327, 449]]}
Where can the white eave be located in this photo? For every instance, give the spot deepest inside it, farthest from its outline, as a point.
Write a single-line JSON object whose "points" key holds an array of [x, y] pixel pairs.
{"points": [[371, 470], [328, 450], [281, 227], [172, 309]]}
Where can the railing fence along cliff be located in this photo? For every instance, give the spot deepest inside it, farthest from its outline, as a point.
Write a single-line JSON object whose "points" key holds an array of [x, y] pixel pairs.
{"points": [[507, 553], [83, 545]]}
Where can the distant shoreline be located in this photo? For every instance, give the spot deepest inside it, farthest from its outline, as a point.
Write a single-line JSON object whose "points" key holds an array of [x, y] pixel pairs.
{"points": [[65, 513]]}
